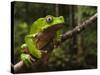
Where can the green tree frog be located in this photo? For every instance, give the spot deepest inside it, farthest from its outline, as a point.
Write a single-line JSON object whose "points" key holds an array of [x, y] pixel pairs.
{"points": [[40, 25]]}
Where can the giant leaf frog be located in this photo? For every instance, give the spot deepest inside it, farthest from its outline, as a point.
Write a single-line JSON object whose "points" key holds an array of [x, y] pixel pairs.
{"points": [[48, 25]]}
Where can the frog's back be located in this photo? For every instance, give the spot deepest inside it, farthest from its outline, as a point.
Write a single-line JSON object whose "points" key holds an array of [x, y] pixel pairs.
{"points": [[36, 26]]}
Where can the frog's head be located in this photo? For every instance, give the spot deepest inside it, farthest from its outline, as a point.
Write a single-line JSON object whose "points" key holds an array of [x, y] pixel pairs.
{"points": [[51, 21]]}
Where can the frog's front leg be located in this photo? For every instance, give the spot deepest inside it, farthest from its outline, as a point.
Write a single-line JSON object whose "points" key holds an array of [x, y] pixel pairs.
{"points": [[31, 44], [25, 56], [57, 39]]}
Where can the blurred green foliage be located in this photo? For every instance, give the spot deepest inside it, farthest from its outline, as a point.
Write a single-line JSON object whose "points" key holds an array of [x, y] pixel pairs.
{"points": [[25, 13]]}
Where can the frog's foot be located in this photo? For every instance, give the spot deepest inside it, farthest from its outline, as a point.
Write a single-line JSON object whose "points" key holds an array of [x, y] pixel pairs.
{"points": [[27, 59], [24, 48], [44, 52]]}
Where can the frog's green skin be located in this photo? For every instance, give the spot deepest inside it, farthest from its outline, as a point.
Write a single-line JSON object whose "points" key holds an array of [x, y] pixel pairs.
{"points": [[38, 26]]}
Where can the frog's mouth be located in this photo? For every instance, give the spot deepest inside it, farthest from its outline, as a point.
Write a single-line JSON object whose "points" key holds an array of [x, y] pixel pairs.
{"points": [[55, 27]]}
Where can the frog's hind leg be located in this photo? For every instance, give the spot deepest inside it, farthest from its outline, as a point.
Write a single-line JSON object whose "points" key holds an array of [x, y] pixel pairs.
{"points": [[30, 41]]}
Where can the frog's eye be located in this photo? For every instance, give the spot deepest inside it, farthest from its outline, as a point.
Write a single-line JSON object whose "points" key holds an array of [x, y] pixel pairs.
{"points": [[49, 19]]}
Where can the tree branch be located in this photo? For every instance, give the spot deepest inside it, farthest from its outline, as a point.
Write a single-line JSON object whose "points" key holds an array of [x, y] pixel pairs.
{"points": [[79, 28], [20, 66]]}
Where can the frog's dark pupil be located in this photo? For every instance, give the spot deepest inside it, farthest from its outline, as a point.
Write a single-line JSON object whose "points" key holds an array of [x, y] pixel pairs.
{"points": [[49, 19]]}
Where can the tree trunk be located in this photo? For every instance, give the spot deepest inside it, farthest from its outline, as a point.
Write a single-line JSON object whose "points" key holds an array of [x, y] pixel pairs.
{"points": [[79, 38], [57, 10], [73, 45]]}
